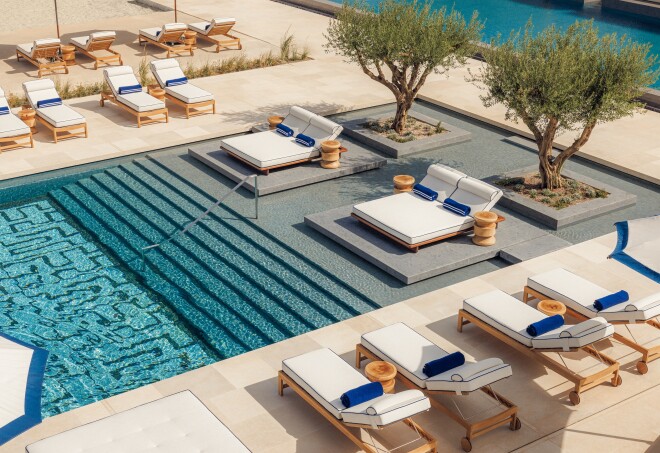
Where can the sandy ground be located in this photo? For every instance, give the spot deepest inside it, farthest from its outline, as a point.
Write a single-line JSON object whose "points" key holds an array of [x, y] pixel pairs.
{"points": [[19, 14]]}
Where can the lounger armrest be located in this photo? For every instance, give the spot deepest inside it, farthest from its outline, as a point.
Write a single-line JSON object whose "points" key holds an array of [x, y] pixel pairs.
{"points": [[644, 304], [471, 370], [388, 403], [584, 327]]}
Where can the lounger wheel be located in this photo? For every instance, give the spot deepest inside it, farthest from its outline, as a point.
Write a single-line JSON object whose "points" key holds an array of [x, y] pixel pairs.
{"points": [[466, 445], [516, 424], [642, 367], [617, 381], [574, 397]]}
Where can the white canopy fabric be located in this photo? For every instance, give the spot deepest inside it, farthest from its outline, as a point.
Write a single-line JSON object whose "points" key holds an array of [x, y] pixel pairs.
{"points": [[638, 246], [21, 377]]}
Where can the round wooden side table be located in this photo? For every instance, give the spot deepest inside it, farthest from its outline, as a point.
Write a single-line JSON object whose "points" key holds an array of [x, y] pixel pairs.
{"points": [[274, 120], [28, 115], [383, 372], [485, 224], [403, 183], [157, 92], [190, 39], [68, 54], [330, 154], [551, 307]]}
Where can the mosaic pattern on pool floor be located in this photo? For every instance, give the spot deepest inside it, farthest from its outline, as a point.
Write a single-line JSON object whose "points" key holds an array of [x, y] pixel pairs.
{"points": [[105, 333]]}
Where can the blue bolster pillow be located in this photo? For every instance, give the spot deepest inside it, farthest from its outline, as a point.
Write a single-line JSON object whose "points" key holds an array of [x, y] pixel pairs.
{"points": [[49, 102], [611, 300], [158, 32], [362, 394], [446, 363], [4, 110], [207, 26], [130, 89], [425, 192], [284, 130], [305, 140], [175, 82], [456, 207], [545, 325]]}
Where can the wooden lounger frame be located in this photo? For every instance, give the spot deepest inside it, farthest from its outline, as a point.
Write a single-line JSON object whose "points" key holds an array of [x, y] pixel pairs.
{"points": [[64, 132], [266, 170], [582, 383], [508, 416], [50, 52], [284, 381], [196, 107], [415, 247], [142, 117], [648, 354], [98, 44], [222, 30], [16, 142], [165, 37]]}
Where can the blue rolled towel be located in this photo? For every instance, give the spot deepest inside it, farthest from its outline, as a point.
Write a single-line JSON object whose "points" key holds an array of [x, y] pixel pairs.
{"points": [[130, 89], [284, 130], [362, 394], [455, 206], [175, 82], [545, 325], [49, 103], [443, 364], [611, 300], [305, 140], [4, 110], [425, 192]]}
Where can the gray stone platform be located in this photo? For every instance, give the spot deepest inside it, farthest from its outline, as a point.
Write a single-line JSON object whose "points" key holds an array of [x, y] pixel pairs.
{"points": [[355, 160], [431, 260]]}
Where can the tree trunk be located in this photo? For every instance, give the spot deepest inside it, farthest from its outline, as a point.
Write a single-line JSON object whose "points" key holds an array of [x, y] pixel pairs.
{"points": [[550, 174], [401, 117]]}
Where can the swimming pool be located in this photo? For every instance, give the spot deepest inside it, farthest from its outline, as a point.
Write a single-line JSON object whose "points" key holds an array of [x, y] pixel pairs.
{"points": [[502, 16]]}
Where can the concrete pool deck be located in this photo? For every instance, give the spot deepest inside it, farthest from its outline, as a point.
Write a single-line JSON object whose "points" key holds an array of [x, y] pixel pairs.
{"points": [[246, 98], [242, 392]]}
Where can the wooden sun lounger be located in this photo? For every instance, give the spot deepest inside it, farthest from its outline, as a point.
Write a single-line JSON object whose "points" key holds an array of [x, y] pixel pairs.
{"points": [[284, 381], [142, 117], [508, 416], [17, 141], [582, 382], [65, 132], [48, 52], [195, 108], [266, 170], [100, 44], [648, 354], [165, 37], [222, 30]]}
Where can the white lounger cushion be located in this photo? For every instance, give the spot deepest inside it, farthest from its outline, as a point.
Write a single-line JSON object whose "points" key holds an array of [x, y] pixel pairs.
{"points": [[205, 27], [153, 32], [84, 41], [10, 124], [27, 48], [58, 115], [122, 76], [579, 294], [174, 424], [169, 69], [409, 352], [298, 119], [511, 317], [326, 376]]}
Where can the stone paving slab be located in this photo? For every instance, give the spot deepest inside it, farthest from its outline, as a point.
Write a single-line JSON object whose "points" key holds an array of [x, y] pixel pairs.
{"points": [[527, 250], [355, 160], [431, 260]]}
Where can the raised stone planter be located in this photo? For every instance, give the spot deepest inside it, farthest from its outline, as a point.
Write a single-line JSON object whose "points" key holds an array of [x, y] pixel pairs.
{"points": [[559, 218], [357, 131]]}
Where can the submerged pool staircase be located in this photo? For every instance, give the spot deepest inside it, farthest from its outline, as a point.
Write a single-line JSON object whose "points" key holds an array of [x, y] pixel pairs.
{"points": [[236, 286]]}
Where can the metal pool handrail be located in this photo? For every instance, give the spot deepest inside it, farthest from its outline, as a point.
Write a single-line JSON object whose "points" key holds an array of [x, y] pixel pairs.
{"points": [[218, 202]]}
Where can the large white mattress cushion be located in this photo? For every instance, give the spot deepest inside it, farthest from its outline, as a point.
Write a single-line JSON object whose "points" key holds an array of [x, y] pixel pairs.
{"points": [[325, 376], [511, 317], [579, 294], [268, 148], [174, 424], [409, 351], [411, 218]]}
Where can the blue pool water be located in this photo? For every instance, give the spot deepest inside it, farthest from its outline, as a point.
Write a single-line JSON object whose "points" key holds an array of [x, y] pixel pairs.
{"points": [[106, 334], [502, 16]]}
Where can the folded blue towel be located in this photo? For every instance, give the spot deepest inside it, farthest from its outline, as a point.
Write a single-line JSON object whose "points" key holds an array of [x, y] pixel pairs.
{"points": [[49, 103], [4, 110], [175, 82], [545, 325], [158, 32], [425, 192], [611, 300], [207, 26], [455, 206], [305, 140], [446, 363], [284, 130], [130, 89], [362, 394]]}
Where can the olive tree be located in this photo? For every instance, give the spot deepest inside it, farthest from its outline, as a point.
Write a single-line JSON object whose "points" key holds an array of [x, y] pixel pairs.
{"points": [[556, 81], [400, 44]]}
